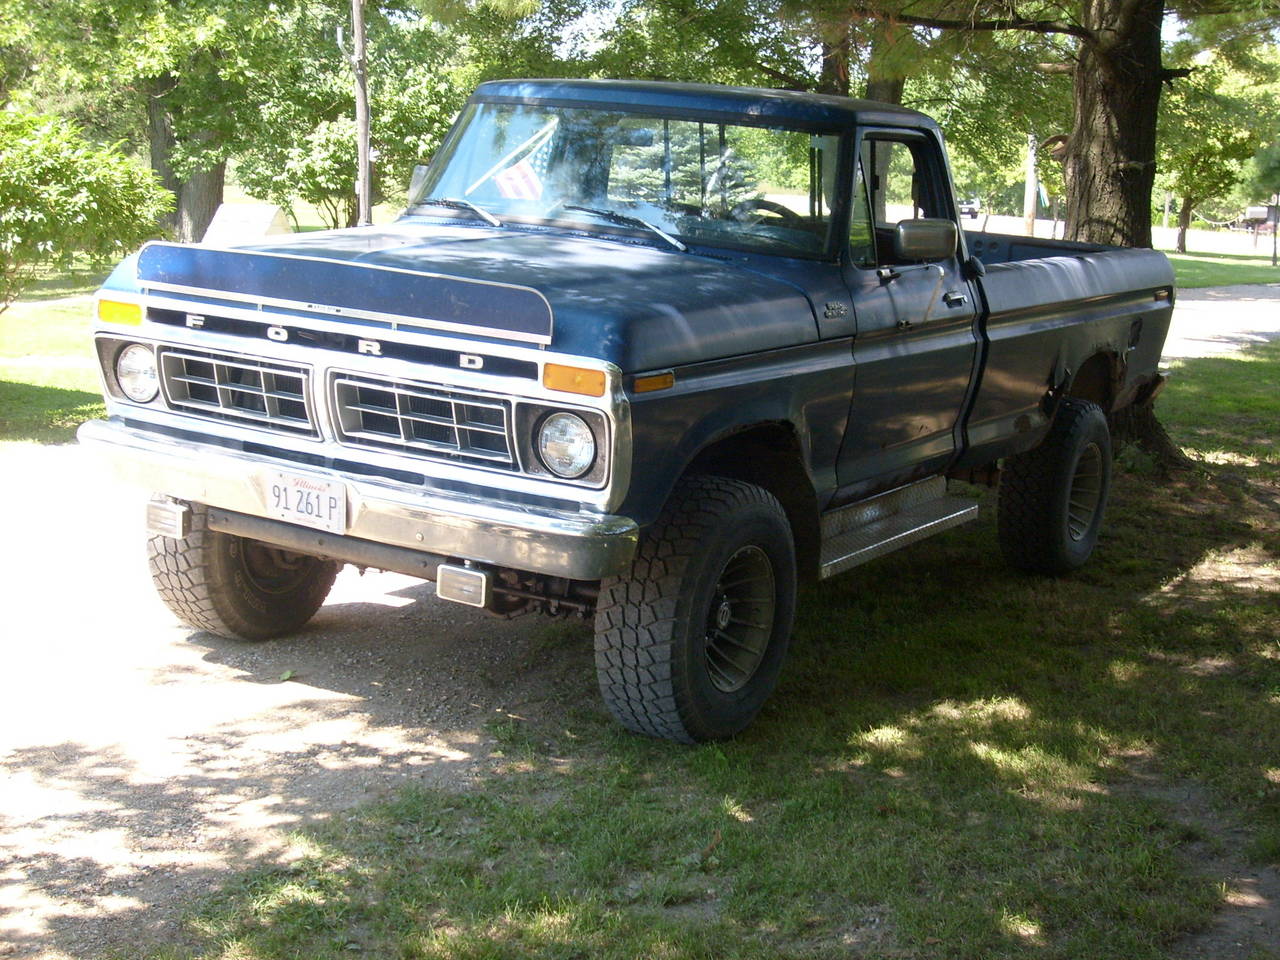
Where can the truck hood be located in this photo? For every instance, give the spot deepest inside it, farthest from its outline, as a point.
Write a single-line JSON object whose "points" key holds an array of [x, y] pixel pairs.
{"points": [[631, 304]]}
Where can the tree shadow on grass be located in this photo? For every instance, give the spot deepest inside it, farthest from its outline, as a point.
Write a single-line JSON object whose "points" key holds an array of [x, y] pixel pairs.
{"points": [[945, 771], [44, 414], [74, 282]]}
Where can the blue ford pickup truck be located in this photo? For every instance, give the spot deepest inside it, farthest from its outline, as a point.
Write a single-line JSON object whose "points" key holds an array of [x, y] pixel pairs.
{"points": [[642, 352]]}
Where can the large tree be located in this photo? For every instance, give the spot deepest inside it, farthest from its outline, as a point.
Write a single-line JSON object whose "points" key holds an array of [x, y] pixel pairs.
{"points": [[184, 68], [1118, 76], [310, 153]]}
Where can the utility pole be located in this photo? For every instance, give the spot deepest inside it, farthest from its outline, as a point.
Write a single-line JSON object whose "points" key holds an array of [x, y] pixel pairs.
{"points": [[1275, 225], [364, 202], [1031, 193]]}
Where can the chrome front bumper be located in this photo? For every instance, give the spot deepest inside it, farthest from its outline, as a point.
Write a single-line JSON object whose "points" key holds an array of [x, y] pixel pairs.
{"points": [[578, 546]]}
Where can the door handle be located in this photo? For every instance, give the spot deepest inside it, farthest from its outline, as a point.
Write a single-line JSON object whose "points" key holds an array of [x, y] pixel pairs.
{"points": [[953, 298]]}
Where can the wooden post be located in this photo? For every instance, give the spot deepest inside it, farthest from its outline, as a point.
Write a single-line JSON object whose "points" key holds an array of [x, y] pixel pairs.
{"points": [[1031, 193], [364, 212]]}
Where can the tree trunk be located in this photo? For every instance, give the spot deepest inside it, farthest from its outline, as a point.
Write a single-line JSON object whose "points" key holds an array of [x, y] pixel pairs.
{"points": [[160, 142], [1184, 224], [1110, 166], [1137, 424], [883, 82], [834, 78], [198, 201]]}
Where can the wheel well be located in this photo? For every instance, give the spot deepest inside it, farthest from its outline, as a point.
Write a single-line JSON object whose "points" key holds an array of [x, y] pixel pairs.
{"points": [[769, 456], [1095, 380]]}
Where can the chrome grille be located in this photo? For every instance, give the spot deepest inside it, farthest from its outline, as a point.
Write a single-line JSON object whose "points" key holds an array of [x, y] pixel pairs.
{"points": [[422, 419], [239, 389]]}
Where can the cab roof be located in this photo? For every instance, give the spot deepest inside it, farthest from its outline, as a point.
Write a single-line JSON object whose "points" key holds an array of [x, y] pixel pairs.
{"points": [[757, 104]]}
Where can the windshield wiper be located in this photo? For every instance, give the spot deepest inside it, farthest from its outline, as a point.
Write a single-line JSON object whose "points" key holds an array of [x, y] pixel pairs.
{"points": [[480, 212], [626, 220]]}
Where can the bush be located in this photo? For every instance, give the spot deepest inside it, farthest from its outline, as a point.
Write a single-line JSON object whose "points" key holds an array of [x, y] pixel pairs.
{"points": [[61, 194]]}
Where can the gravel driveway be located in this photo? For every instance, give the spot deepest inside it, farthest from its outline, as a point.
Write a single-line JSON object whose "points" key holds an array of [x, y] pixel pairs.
{"points": [[142, 762]]}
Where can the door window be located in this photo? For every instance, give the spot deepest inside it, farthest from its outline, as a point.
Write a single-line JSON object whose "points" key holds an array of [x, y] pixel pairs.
{"points": [[895, 180]]}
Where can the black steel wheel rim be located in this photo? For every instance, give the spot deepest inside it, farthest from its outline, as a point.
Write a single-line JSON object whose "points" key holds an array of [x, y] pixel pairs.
{"points": [[740, 619], [272, 570], [1085, 493]]}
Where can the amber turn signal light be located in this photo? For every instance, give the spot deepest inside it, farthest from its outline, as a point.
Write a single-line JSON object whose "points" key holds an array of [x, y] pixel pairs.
{"points": [[116, 311], [654, 381], [589, 383]]}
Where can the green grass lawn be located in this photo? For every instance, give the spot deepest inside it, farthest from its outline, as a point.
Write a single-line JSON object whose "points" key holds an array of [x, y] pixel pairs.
{"points": [[961, 761], [48, 376], [1222, 270]]}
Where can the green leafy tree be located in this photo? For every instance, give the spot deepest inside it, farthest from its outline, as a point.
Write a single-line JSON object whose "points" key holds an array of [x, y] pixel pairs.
{"points": [[61, 195], [1211, 124], [711, 41], [311, 152], [184, 69], [1265, 179]]}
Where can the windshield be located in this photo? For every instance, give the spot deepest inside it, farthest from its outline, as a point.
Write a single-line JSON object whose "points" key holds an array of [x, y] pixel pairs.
{"points": [[723, 184]]}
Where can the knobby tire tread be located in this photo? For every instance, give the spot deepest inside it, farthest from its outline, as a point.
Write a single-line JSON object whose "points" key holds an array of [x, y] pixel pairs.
{"points": [[180, 573], [636, 614], [1025, 527], [185, 574]]}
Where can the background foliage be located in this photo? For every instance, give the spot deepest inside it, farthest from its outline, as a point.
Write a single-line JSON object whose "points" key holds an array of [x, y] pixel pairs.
{"points": [[60, 194], [259, 93]]}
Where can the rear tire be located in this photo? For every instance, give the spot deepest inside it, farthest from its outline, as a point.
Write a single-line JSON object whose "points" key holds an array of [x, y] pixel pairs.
{"points": [[690, 642], [235, 587], [1052, 498]]}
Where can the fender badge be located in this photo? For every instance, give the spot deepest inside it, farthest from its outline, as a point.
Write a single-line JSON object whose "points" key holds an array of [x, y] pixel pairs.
{"points": [[835, 310]]}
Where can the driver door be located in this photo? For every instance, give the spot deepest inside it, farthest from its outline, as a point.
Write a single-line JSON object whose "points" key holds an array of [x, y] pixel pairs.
{"points": [[916, 340]]}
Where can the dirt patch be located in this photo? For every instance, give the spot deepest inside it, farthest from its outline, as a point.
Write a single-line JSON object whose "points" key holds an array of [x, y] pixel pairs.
{"points": [[1247, 924], [142, 762]]}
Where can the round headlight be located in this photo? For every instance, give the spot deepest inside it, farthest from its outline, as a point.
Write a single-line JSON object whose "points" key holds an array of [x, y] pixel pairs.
{"points": [[136, 373], [566, 445]]}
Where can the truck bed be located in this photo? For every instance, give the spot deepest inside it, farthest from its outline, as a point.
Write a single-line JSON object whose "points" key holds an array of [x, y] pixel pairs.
{"points": [[1049, 306]]}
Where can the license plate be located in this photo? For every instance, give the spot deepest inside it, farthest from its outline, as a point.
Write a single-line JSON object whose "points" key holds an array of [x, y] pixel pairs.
{"points": [[307, 500]]}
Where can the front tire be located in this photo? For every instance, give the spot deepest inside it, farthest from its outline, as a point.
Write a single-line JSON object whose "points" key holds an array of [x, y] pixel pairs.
{"points": [[690, 642], [235, 587], [1051, 499]]}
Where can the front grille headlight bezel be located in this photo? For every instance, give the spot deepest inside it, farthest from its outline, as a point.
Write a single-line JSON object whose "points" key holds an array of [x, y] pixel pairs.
{"points": [[530, 417], [136, 372]]}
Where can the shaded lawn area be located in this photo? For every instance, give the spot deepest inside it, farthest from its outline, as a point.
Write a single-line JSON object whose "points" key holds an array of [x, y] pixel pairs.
{"points": [[961, 762], [56, 282]]}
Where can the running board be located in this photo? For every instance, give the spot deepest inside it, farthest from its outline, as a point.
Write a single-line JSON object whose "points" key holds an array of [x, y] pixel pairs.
{"points": [[864, 531]]}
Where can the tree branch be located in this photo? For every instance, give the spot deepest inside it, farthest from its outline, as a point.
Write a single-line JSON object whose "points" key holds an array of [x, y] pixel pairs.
{"points": [[1170, 74], [785, 80], [1056, 67], [1125, 13], [863, 11]]}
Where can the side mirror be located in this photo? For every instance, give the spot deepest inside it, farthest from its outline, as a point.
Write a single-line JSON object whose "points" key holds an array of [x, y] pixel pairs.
{"points": [[925, 239]]}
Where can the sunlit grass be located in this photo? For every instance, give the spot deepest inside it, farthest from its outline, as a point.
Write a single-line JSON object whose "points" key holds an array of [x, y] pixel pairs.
{"points": [[1222, 270]]}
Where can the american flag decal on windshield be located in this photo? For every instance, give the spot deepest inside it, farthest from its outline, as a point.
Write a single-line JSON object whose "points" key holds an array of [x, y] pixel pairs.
{"points": [[520, 181]]}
